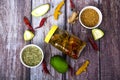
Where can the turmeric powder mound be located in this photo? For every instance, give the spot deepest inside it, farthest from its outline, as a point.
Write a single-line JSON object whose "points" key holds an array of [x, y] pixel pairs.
{"points": [[89, 17]]}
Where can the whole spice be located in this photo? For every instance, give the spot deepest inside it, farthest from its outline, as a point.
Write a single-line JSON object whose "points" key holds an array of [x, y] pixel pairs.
{"points": [[42, 22], [75, 56], [71, 70], [73, 17], [72, 5], [93, 43], [89, 17], [57, 10], [44, 66], [27, 22], [83, 67]]}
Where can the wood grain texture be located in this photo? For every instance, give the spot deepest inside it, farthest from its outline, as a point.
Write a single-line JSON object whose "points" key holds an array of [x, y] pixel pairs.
{"points": [[11, 38], [88, 53], [49, 51], [110, 44]]}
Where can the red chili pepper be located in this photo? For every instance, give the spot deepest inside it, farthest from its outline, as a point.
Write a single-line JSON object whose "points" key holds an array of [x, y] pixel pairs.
{"points": [[72, 4], [45, 69], [93, 43], [27, 22], [42, 22], [74, 56], [71, 70]]}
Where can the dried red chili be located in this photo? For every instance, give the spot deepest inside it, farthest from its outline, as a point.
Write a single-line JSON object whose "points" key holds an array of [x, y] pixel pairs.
{"points": [[71, 70], [42, 22], [74, 56], [93, 43], [27, 22], [44, 66], [72, 5]]}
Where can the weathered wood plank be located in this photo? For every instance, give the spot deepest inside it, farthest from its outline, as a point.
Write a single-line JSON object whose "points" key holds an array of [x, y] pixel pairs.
{"points": [[110, 44], [11, 38], [88, 53], [49, 51]]}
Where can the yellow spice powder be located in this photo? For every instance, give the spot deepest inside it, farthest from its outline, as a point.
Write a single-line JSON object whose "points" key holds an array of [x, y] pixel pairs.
{"points": [[89, 17]]}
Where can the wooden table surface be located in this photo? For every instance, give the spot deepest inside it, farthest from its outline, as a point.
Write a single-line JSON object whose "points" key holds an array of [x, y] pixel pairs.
{"points": [[105, 66]]}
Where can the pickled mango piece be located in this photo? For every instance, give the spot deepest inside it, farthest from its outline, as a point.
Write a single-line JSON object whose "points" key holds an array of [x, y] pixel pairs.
{"points": [[57, 10]]}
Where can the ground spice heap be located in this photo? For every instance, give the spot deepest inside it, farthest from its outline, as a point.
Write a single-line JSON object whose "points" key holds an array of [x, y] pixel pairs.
{"points": [[89, 17]]}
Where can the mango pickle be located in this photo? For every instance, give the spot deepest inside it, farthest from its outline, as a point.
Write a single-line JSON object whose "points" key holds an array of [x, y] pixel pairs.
{"points": [[65, 42]]}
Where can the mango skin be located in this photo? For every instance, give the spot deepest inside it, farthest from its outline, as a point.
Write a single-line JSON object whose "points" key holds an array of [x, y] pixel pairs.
{"points": [[59, 64]]}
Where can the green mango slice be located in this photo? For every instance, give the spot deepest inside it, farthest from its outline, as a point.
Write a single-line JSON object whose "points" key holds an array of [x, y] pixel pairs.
{"points": [[97, 34], [28, 35], [41, 10]]}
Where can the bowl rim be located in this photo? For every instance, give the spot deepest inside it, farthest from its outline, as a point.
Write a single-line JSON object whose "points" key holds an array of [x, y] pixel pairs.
{"points": [[97, 10], [23, 61]]}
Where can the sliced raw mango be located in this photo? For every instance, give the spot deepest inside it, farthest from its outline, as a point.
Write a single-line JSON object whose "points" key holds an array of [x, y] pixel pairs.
{"points": [[97, 34], [28, 35], [41, 10]]}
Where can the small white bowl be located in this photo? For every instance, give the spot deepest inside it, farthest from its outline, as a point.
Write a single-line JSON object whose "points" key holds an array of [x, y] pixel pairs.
{"points": [[33, 53], [97, 10]]}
